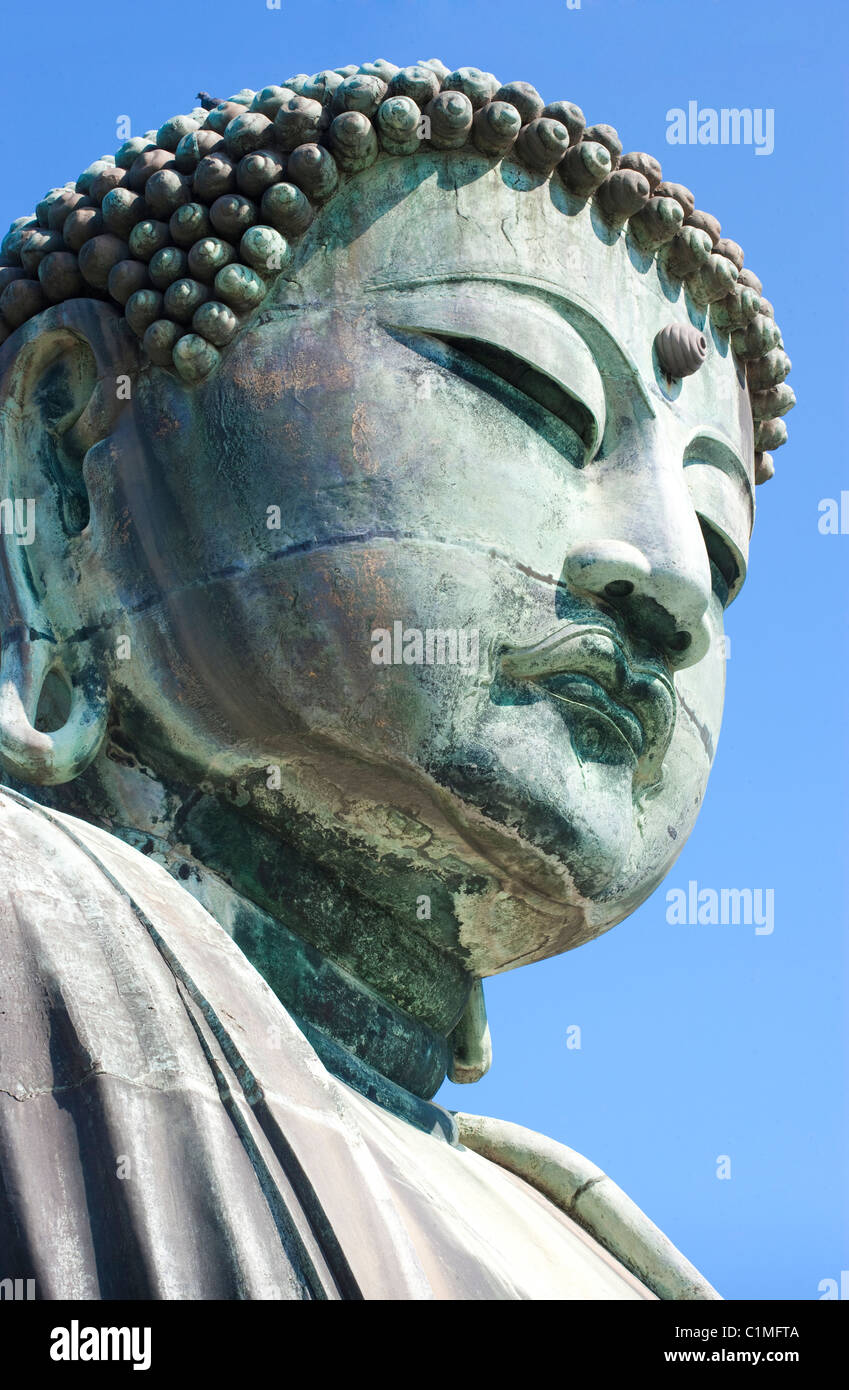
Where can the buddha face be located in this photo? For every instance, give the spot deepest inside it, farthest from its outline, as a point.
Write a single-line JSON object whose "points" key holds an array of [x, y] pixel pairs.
{"points": [[438, 557]]}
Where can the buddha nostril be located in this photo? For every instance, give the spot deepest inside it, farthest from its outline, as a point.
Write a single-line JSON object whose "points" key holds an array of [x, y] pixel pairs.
{"points": [[619, 588], [680, 641]]}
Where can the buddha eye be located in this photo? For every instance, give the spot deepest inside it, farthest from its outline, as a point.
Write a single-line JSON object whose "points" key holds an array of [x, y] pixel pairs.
{"points": [[529, 382], [725, 572], [536, 398]]}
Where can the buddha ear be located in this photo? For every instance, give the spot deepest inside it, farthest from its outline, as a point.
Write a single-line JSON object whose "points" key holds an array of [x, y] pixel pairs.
{"points": [[61, 380]]}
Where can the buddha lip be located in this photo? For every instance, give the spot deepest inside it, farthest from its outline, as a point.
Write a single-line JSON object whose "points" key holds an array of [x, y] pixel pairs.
{"points": [[587, 664]]}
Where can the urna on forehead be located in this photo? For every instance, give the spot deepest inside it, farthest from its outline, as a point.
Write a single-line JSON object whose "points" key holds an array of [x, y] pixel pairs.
{"points": [[187, 228]]}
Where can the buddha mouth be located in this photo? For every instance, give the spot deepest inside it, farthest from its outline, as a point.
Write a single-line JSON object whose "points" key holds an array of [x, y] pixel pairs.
{"points": [[585, 666]]}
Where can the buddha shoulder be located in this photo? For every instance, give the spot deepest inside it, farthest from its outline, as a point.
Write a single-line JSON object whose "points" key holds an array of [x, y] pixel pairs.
{"points": [[56, 863], [86, 987]]}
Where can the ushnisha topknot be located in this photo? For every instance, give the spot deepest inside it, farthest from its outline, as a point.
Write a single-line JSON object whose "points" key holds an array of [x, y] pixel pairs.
{"points": [[186, 227]]}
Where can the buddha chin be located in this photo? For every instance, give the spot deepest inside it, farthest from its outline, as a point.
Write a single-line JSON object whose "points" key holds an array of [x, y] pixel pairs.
{"points": [[547, 776]]}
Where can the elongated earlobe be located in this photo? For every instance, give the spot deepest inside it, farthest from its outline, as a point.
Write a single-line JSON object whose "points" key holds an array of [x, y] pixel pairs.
{"points": [[472, 1046], [30, 755]]}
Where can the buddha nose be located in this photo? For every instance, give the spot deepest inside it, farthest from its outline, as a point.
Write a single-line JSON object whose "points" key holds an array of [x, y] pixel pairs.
{"points": [[663, 605]]}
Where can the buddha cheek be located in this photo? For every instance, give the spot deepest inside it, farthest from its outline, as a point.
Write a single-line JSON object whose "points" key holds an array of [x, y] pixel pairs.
{"points": [[701, 688]]}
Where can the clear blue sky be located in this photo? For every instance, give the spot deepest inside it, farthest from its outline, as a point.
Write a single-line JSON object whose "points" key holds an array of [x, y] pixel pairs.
{"points": [[697, 1041]]}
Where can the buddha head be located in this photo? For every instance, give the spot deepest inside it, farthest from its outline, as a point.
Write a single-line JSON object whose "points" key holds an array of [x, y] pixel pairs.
{"points": [[390, 440]]}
